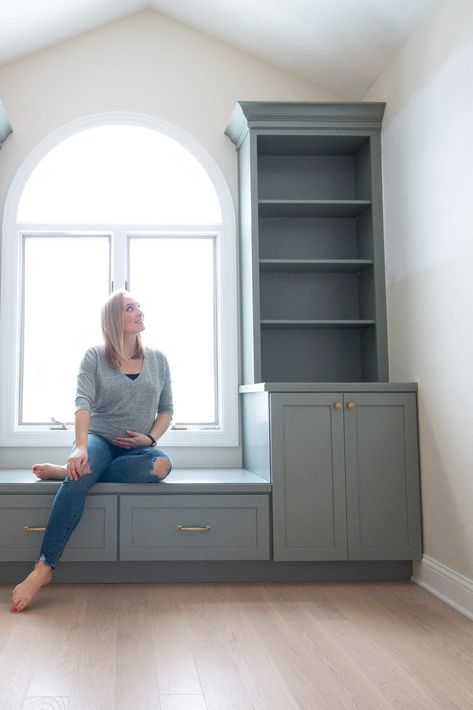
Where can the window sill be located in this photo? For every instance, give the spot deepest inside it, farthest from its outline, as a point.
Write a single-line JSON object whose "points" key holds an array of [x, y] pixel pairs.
{"points": [[64, 438]]}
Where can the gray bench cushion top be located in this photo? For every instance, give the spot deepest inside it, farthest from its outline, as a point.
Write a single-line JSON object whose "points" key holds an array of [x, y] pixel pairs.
{"points": [[184, 480]]}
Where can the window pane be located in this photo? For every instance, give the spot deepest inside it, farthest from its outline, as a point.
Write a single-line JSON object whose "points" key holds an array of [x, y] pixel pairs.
{"points": [[66, 281], [119, 174], [174, 281]]}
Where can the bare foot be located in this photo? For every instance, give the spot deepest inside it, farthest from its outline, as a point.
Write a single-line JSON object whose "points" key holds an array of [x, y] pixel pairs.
{"points": [[24, 593], [161, 466], [49, 472]]}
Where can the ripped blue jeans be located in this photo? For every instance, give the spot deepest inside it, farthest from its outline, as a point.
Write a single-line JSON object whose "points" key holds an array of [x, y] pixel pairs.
{"points": [[108, 464]]}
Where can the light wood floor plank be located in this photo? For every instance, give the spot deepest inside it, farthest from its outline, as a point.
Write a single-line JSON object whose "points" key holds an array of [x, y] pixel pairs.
{"points": [[136, 670], [17, 660], [177, 674], [44, 703], [218, 673], [429, 609], [250, 675], [183, 702], [54, 670], [313, 680], [222, 684], [311, 620], [95, 673], [380, 617], [310, 646], [263, 684]]}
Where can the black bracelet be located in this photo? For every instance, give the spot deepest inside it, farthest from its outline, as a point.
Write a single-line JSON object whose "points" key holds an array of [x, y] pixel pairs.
{"points": [[153, 440]]}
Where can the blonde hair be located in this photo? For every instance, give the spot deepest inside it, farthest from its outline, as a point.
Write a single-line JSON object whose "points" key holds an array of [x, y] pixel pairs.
{"points": [[113, 330]]}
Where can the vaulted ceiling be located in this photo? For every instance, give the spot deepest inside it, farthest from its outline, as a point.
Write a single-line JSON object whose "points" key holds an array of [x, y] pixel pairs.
{"points": [[342, 45]]}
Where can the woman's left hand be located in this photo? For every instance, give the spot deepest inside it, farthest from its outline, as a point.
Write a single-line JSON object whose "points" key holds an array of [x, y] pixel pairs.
{"points": [[133, 441]]}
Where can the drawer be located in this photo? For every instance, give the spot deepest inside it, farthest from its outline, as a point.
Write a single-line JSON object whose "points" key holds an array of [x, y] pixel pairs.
{"points": [[194, 527], [94, 539]]}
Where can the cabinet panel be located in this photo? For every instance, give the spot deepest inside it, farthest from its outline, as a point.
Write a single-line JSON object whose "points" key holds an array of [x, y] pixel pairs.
{"points": [[383, 497], [194, 527], [314, 166], [316, 237], [298, 295], [94, 539], [323, 354], [307, 456], [306, 177]]}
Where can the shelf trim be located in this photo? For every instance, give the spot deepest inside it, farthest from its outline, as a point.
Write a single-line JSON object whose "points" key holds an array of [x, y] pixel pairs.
{"points": [[319, 323], [325, 208], [264, 201], [322, 265]]}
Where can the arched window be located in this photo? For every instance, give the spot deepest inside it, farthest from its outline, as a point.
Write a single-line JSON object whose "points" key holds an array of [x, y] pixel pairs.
{"points": [[106, 203]]}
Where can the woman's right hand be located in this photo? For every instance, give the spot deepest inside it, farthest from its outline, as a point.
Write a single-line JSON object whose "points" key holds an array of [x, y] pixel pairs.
{"points": [[77, 463]]}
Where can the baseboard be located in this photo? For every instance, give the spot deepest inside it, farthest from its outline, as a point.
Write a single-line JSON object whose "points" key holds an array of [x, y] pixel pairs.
{"points": [[446, 584]]}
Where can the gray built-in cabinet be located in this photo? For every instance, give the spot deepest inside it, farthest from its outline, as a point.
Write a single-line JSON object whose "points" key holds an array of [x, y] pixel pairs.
{"points": [[320, 418], [344, 468], [312, 257]]}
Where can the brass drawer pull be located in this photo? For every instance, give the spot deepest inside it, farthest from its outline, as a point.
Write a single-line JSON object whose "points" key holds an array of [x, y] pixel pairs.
{"points": [[338, 406], [187, 528], [351, 405], [28, 529]]}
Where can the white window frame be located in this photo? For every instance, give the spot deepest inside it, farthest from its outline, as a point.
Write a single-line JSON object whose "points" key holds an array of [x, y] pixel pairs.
{"points": [[13, 434]]}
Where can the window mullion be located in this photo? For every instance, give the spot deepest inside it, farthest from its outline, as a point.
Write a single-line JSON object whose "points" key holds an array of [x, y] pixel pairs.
{"points": [[119, 259]]}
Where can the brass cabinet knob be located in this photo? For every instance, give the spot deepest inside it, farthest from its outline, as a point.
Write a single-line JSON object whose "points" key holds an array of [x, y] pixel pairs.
{"points": [[338, 405], [351, 405]]}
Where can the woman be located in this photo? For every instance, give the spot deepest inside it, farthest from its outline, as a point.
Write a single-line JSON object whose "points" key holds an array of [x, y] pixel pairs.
{"points": [[123, 406]]}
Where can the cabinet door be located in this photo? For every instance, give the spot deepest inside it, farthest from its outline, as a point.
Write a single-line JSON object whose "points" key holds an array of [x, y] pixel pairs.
{"points": [[382, 471], [308, 472]]}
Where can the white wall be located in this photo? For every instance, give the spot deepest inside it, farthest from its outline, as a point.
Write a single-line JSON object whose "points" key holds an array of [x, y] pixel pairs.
{"points": [[428, 192], [147, 64]]}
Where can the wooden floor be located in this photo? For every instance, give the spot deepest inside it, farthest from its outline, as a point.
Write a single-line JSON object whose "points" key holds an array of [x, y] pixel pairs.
{"points": [[235, 647]]}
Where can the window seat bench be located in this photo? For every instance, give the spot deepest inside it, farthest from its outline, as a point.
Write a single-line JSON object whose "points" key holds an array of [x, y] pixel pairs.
{"points": [[198, 525]]}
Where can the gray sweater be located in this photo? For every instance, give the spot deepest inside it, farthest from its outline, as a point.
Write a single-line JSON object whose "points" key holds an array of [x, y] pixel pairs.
{"points": [[117, 403]]}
